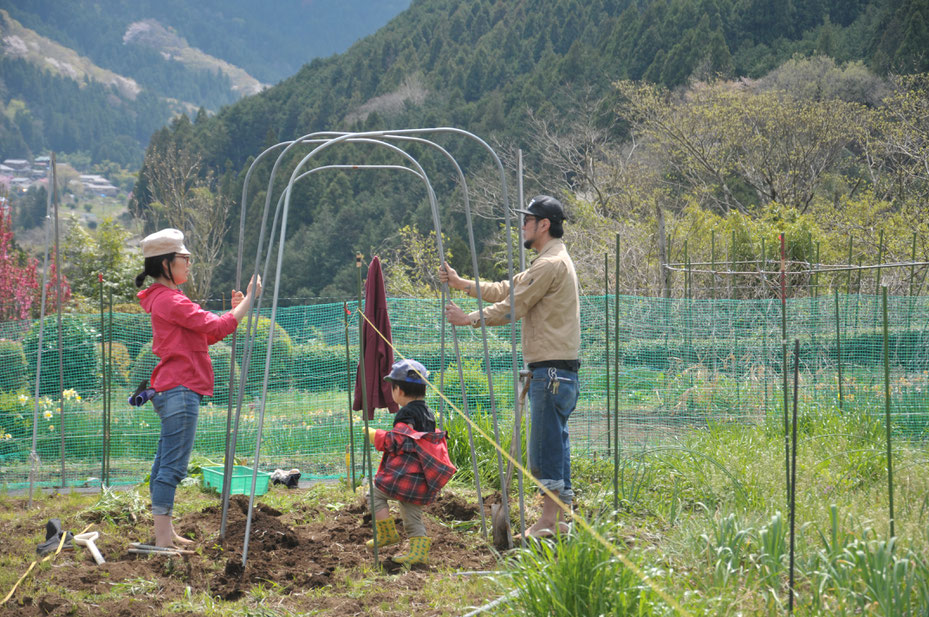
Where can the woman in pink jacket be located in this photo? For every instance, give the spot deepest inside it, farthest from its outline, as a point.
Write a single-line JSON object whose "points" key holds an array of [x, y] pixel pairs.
{"points": [[181, 335]]}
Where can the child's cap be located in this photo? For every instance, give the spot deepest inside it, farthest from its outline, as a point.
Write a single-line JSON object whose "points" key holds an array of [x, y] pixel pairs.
{"points": [[409, 371]]}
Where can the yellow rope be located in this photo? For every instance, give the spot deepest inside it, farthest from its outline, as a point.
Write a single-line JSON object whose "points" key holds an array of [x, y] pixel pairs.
{"points": [[61, 543], [576, 517]]}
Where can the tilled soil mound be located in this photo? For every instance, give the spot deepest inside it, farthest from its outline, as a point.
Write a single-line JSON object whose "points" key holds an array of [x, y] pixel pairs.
{"points": [[309, 547]]}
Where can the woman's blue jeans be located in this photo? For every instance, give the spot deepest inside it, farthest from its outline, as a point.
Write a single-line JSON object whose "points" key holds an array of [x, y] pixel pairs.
{"points": [[178, 409], [549, 443]]}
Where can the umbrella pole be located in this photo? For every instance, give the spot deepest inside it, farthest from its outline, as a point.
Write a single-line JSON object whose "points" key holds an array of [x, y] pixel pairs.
{"points": [[364, 411]]}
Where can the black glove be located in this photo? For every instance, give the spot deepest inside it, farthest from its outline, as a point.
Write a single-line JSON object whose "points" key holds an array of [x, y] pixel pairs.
{"points": [[53, 533], [142, 394]]}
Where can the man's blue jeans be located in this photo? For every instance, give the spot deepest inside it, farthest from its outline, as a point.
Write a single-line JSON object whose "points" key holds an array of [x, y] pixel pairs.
{"points": [[549, 444], [178, 409]]}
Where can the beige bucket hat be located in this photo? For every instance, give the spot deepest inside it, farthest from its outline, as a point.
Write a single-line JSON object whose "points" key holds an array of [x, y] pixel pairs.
{"points": [[163, 242]]}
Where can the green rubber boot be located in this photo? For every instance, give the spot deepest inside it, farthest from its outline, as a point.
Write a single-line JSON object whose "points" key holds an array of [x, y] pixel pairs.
{"points": [[419, 551], [386, 534]]}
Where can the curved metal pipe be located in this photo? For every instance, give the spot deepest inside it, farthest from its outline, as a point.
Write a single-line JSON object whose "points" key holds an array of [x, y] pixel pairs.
{"points": [[288, 192]]}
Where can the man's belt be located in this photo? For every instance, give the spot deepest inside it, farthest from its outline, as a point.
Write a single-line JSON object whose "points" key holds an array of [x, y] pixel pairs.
{"points": [[564, 365]]}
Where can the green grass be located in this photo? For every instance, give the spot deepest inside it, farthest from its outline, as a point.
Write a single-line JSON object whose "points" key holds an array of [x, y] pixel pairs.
{"points": [[719, 549]]}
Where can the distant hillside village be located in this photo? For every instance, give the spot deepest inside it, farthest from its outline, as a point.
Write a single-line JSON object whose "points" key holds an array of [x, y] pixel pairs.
{"points": [[19, 175]]}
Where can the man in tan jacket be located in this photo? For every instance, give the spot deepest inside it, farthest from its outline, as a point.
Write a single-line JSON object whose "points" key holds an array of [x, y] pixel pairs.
{"points": [[546, 299]]}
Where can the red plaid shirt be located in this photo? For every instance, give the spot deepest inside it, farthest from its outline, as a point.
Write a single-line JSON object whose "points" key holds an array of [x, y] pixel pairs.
{"points": [[415, 465]]}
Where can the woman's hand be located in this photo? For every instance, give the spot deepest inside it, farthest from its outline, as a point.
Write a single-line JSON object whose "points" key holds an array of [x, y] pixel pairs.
{"points": [[254, 286], [237, 297], [240, 303]]}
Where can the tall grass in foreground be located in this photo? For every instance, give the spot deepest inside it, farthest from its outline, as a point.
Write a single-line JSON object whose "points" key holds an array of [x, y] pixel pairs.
{"points": [[706, 519], [576, 576]]}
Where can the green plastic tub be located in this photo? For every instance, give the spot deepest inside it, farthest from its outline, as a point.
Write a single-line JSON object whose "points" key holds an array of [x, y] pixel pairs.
{"points": [[241, 480]]}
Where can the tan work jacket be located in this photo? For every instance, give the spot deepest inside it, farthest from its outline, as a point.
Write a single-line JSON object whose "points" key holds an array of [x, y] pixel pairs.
{"points": [[546, 296]]}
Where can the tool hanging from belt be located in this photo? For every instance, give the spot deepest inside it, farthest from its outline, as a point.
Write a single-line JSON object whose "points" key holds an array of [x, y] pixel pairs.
{"points": [[554, 380]]}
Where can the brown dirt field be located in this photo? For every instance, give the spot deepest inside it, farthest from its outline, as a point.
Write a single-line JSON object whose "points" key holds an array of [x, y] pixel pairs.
{"points": [[309, 548]]}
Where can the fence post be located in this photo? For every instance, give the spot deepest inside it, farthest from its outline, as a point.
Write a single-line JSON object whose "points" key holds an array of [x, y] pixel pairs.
{"points": [[606, 323], [616, 381], [664, 275], [890, 464], [784, 362]]}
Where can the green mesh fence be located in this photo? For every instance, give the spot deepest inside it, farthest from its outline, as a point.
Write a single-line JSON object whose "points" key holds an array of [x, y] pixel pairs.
{"points": [[681, 364]]}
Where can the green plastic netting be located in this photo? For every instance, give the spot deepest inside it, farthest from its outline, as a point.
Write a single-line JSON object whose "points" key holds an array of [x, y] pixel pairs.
{"points": [[682, 364]]}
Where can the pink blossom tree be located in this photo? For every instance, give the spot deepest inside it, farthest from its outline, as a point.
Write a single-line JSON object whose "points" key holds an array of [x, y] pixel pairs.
{"points": [[19, 277]]}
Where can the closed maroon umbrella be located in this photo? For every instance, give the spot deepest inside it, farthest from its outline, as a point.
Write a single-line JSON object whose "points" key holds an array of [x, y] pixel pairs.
{"points": [[378, 354]]}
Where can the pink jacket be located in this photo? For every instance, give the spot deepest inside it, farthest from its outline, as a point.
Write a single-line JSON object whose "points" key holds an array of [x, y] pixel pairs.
{"points": [[181, 335]]}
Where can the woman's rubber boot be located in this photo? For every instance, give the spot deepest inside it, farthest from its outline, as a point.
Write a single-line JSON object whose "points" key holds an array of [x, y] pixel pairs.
{"points": [[419, 551], [386, 534]]}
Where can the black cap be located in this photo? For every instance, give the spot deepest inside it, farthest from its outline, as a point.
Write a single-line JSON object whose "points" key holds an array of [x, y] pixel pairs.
{"points": [[545, 207]]}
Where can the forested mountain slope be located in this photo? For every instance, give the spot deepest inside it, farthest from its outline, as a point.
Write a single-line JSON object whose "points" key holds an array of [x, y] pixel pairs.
{"points": [[177, 56], [501, 68]]}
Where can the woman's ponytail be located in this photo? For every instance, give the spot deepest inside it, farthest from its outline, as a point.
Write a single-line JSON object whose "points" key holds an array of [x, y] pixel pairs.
{"points": [[155, 267]]}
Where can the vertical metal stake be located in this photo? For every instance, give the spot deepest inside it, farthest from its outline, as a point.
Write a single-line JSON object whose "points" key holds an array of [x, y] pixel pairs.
{"points": [[348, 386], [784, 364], [606, 329], [890, 464], [616, 450], [61, 368], [103, 410], [838, 347], [793, 474]]}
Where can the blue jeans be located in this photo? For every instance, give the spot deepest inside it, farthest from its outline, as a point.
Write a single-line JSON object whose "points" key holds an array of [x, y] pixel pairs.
{"points": [[178, 409], [549, 444]]}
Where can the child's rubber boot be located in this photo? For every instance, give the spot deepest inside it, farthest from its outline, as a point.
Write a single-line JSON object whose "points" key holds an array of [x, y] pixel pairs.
{"points": [[419, 551], [386, 534]]}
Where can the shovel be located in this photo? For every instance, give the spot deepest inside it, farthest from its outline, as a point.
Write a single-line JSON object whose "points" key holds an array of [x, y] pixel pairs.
{"points": [[87, 541], [499, 514]]}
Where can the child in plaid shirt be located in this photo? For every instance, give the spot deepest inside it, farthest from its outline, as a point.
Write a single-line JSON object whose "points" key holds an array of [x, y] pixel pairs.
{"points": [[415, 465]]}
